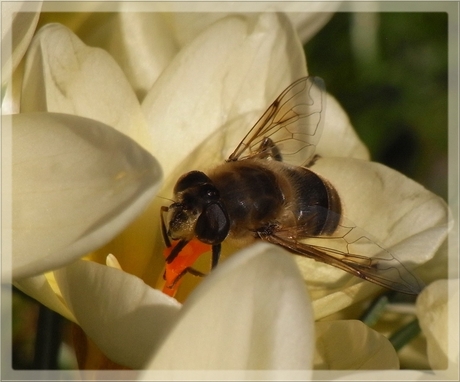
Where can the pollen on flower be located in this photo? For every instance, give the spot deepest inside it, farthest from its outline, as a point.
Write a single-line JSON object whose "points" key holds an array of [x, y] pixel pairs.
{"points": [[179, 266], [111, 261]]}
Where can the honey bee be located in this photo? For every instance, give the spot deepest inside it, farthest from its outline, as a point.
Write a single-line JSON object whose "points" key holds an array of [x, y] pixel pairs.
{"points": [[266, 191]]}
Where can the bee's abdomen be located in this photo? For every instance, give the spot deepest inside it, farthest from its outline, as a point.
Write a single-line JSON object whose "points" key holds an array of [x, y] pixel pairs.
{"points": [[317, 205]]}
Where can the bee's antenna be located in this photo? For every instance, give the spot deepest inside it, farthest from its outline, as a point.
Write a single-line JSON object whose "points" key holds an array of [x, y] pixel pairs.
{"points": [[162, 197]]}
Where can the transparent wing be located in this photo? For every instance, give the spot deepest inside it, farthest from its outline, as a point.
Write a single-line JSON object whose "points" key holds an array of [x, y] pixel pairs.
{"points": [[352, 250], [294, 122]]}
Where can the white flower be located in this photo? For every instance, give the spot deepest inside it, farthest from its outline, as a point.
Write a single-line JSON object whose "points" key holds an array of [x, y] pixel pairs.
{"points": [[18, 26], [437, 306], [71, 193], [19, 20], [402, 215], [131, 321], [204, 96], [71, 78], [351, 345]]}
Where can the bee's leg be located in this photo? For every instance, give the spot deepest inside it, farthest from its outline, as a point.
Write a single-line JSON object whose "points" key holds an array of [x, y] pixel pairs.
{"points": [[268, 149], [266, 230], [215, 255], [190, 270], [215, 259], [195, 272], [176, 250], [164, 232]]}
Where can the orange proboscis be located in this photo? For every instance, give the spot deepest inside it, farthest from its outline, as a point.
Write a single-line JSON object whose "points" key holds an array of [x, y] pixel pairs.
{"points": [[185, 259]]}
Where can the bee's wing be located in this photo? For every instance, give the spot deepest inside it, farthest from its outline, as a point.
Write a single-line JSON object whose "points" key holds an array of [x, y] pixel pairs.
{"points": [[352, 250], [294, 122]]}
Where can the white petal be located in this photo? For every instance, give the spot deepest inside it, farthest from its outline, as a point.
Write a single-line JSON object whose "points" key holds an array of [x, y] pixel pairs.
{"points": [[351, 345], [339, 139], [76, 184], [382, 201], [236, 66], [11, 102], [141, 43], [186, 25], [126, 318], [395, 211], [19, 20], [252, 312], [437, 311], [329, 301], [307, 24], [39, 288], [64, 75], [112, 261]]}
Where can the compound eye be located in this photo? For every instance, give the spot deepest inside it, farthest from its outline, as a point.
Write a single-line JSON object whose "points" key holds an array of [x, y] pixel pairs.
{"points": [[191, 179], [213, 225]]}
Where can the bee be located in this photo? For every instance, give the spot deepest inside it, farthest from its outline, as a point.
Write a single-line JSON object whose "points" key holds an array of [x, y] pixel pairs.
{"points": [[266, 191]]}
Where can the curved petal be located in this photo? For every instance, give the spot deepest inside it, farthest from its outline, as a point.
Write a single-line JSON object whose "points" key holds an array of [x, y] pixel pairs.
{"points": [[436, 310], [351, 345], [186, 25], [252, 312], [339, 139], [307, 24], [19, 20], [140, 42], [125, 317], [248, 60], [395, 211], [64, 75], [76, 184], [11, 93], [382, 201], [39, 288], [76, 15]]}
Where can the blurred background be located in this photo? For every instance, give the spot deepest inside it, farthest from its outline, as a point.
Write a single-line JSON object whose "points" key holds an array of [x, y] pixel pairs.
{"points": [[389, 72]]}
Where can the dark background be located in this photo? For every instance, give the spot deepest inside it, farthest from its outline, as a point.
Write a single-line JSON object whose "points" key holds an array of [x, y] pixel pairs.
{"points": [[395, 91]]}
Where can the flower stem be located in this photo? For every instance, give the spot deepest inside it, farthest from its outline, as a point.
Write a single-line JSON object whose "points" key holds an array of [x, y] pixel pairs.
{"points": [[48, 340], [375, 310], [404, 335]]}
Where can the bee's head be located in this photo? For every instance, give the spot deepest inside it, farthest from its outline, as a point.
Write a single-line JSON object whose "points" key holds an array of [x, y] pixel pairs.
{"points": [[197, 210]]}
